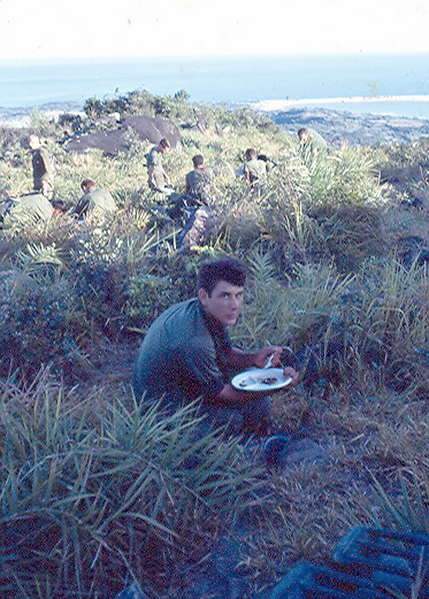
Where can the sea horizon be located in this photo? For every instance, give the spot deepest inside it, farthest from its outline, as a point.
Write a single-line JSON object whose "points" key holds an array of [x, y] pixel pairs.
{"points": [[384, 84]]}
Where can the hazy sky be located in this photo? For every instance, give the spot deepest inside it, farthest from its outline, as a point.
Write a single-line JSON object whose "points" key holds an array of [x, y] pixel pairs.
{"points": [[80, 28]]}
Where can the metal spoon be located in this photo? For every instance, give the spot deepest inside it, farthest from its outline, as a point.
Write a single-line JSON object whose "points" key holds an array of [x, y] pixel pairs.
{"points": [[269, 361]]}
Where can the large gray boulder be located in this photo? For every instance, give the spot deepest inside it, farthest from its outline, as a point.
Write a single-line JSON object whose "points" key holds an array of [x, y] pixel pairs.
{"points": [[153, 129], [111, 142], [145, 128]]}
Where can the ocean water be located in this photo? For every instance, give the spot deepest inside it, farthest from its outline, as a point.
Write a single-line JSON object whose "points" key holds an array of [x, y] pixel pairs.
{"points": [[391, 84]]}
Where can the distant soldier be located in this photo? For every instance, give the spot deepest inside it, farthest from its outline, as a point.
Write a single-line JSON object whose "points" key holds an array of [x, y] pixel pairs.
{"points": [[157, 177], [198, 191], [26, 210], [311, 142], [198, 183], [269, 164], [96, 201], [43, 172], [201, 219], [255, 170]]}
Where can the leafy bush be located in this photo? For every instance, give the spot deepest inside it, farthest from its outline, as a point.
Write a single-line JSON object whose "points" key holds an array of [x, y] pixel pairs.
{"points": [[35, 316], [71, 123]]}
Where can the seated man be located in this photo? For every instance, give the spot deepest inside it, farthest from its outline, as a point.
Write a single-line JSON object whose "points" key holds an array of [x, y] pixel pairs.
{"points": [[197, 192], [200, 221], [25, 210], [255, 170], [198, 183], [96, 201], [269, 164], [187, 353], [311, 142]]}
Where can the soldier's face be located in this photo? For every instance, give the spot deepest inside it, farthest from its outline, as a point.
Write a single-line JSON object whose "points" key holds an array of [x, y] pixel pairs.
{"points": [[34, 142], [224, 302]]}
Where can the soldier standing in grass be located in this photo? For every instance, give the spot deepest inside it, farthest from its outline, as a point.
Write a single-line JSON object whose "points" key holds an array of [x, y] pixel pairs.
{"points": [[96, 201], [43, 173], [157, 177], [187, 353], [255, 170]]}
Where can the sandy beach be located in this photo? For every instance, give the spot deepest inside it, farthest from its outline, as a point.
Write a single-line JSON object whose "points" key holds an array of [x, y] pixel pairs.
{"points": [[269, 105]]}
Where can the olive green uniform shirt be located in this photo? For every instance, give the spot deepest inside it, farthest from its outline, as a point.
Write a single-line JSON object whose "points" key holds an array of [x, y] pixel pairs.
{"points": [[256, 171], [28, 210], [198, 186], [42, 168], [97, 201], [182, 355], [315, 142], [154, 159]]}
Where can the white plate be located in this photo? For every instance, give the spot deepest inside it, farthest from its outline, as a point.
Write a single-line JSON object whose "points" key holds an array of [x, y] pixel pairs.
{"points": [[251, 380]]}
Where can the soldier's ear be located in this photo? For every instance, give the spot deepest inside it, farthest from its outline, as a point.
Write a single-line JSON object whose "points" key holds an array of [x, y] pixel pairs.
{"points": [[202, 296]]}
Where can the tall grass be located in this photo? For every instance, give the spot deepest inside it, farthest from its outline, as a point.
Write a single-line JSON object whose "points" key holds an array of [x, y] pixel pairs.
{"points": [[98, 489]]}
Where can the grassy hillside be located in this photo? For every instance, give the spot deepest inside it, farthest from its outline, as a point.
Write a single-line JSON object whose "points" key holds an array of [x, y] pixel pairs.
{"points": [[94, 492]]}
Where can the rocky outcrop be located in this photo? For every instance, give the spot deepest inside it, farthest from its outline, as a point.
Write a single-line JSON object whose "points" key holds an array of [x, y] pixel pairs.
{"points": [[153, 129], [111, 142], [339, 127], [144, 128]]}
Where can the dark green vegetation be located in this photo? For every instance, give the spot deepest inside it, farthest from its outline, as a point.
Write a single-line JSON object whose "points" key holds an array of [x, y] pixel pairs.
{"points": [[92, 489]]}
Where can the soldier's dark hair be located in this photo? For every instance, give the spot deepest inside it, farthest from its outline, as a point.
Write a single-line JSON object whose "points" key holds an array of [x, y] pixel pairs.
{"points": [[301, 132], [164, 143], [198, 160], [59, 205], [87, 184], [230, 270], [250, 153]]}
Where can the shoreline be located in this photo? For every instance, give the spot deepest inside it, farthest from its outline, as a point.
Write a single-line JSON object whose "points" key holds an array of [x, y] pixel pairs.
{"points": [[275, 105], [271, 105], [402, 106], [20, 117], [337, 125]]}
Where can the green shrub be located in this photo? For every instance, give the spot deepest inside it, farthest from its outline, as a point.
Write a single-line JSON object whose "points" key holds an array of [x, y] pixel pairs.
{"points": [[35, 314], [97, 490]]}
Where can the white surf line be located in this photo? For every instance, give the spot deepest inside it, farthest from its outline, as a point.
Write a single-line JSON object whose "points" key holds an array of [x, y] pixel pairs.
{"points": [[268, 105]]}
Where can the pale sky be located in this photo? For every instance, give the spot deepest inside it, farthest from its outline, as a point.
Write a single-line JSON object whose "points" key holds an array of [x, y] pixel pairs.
{"points": [[99, 28]]}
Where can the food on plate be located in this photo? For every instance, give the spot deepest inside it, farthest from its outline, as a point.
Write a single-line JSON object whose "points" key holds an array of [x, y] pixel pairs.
{"points": [[261, 379], [269, 380], [251, 381]]}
